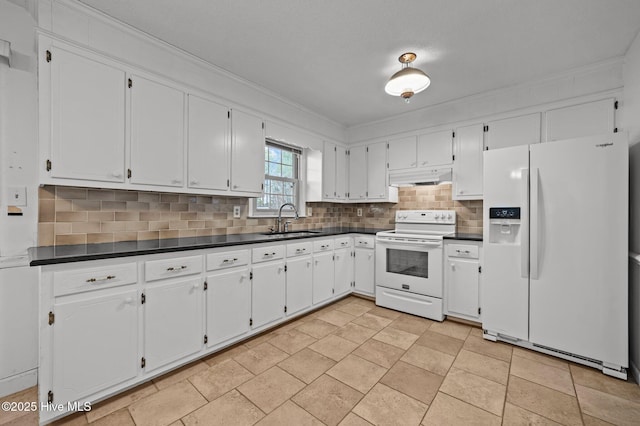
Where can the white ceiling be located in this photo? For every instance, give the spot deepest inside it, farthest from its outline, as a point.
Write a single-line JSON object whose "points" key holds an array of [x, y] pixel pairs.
{"points": [[334, 56]]}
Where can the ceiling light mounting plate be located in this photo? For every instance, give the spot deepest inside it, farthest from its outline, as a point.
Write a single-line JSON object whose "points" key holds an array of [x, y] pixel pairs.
{"points": [[407, 58]]}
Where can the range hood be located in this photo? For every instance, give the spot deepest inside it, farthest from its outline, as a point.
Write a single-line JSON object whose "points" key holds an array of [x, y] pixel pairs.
{"points": [[420, 177]]}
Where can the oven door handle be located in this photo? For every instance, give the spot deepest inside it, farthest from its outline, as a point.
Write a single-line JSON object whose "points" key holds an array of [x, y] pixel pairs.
{"points": [[413, 243]]}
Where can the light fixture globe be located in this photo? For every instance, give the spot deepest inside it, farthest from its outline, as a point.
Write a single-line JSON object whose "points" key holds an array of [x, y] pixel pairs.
{"points": [[408, 81]]}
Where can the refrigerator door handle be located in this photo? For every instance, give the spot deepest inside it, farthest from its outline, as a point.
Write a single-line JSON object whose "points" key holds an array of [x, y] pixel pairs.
{"points": [[534, 224], [524, 241]]}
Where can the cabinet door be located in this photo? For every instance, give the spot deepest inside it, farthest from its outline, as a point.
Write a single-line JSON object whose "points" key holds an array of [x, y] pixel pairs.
{"points": [[329, 167], [87, 118], [402, 153], [377, 171], [341, 173], [463, 287], [343, 271], [267, 293], [157, 133], [208, 145], [96, 343], [299, 284], [435, 149], [591, 118], [358, 173], [364, 266], [173, 315], [228, 305], [467, 167], [322, 277], [523, 130], [247, 152]]}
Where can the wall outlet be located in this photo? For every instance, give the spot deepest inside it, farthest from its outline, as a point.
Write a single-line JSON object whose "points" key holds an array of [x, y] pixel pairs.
{"points": [[236, 212], [359, 212], [309, 211], [17, 196]]}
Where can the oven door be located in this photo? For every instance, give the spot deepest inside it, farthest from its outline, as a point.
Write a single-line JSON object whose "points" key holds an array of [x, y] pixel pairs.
{"points": [[413, 266]]}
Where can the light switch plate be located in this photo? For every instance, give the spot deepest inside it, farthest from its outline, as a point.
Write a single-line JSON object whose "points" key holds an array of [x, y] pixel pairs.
{"points": [[17, 196], [359, 212], [236, 211], [309, 211]]}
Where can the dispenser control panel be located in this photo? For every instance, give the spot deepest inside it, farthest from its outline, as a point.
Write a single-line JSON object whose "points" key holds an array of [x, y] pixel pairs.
{"points": [[504, 213]]}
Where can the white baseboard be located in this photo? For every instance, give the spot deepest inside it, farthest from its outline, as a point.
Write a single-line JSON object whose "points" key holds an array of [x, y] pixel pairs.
{"points": [[635, 372], [13, 384]]}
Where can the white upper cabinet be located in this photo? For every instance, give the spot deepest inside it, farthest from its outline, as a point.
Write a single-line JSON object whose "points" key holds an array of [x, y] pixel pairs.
{"points": [[402, 153], [247, 152], [358, 173], [377, 171], [591, 118], [341, 173], [329, 171], [87, 117], [467, 166], [208, 141], [157, 133], [514, 131], [435, 149]]}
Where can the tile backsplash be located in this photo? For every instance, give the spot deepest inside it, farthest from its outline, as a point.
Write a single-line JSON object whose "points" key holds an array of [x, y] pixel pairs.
{"points": [[69, 215]]}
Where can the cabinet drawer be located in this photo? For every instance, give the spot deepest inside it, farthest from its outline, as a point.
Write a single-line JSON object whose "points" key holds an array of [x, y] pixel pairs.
{"points": [[462, 250], [264, 254], [227, 259], [342, 242], [81, 280], [366, 242], [322, 245], [299, 249], [169, 268]]}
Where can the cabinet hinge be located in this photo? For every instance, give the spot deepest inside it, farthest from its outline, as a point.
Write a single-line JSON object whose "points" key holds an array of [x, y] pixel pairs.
{"points": [[263, 125], [262, 186], [367, 149], [387, 146], [143, 362], [250, 275], [486, 148], [334, 193], [129, 83], [48, 165], [228, 114], [47, 55], [206, 339], [206, 286], [335, 149], [485, 128], [348, 152], [52, 318], [50, 397], [128, 173], [479, 269], [479, 311], [615, 130], [453, 134], [333, 290], [615, 105], [453, 157], [143, 299], [387, 165], [333, 257], [285, 309], [348, 194], [230, 182], [250, 322], [285, 269]]}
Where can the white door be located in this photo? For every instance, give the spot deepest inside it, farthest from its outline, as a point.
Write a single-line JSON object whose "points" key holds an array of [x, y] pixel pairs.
{"points": [[209, 145], [358, 173], [463, 286], [591, 118], [435, 149], [364, 265], [467, 166], [322, 277], [228, 305], [341, 173], [377, 170], [173, 315], [402, 153], [514, 131], [329, 170], [343, 270], [299, 284], [247, 152], [97, 342], [579, 243], [267, 293], [87, 118], [157, 133]]}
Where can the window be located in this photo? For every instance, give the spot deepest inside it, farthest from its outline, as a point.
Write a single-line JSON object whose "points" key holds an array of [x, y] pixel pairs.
{"points": [[281, 178]]}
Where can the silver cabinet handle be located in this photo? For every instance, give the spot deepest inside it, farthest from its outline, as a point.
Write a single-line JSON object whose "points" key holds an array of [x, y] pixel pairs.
{"points": [[176, 268], [107, 278], [235, 259], [301, 250], [269, 254]]}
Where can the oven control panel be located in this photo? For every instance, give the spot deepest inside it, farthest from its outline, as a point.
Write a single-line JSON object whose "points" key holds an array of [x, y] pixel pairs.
{"points": [[426, 216]]}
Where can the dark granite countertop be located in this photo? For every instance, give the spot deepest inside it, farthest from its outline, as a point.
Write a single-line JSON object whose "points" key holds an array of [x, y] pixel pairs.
{"points": [[83, 252], [463, 236]]}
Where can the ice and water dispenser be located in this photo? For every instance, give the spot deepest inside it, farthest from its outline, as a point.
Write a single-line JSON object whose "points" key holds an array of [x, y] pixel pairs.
{"points": [[504, 225]]}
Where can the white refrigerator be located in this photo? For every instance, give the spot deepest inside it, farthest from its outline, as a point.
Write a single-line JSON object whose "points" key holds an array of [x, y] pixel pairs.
{"points": [[555, 249]]}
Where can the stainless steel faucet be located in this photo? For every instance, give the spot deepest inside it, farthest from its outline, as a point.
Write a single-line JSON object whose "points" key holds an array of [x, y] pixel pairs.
{"points": [[279, 218]]}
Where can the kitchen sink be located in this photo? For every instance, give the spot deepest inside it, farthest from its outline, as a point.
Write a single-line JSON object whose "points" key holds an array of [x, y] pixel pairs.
{"points": [[290, 234]]}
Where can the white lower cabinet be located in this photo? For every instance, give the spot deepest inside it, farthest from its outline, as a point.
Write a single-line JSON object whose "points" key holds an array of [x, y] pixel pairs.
{"points": [[462, 279], [323, 277], [228, 305], [267, 293], [343, 271], [299, 284], [364, 267]]}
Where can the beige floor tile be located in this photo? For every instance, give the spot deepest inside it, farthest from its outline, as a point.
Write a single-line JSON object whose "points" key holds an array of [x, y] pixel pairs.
{"points": [[119, 418], [448, 411], [177, 423], [537, 356], [230, 409], [307, 365], [334, 347], [386, 406], [385, 313], [498, 350], [358, 373], [542, 374], [373, 322], [328, 399], [395, 337], [317, 328], [27, 395], [516, 416], [440, 342], [220, 379], [355, 309], [75, 419], [121, 400], [179, 374], [167, 405], [289, 414], [259, 339], [592, 378], [608, 407], [26, 419], [413, 381], [353, 420], [381, 353], [549, 403], [411, 324], [475, 390], [450, 328], [261, 357], [429, 359], [475, 331], [226, 354], [363, 301], [354, 332], [593, 421], [483, 366], [337, 318], [271, 388], [292, 341]]}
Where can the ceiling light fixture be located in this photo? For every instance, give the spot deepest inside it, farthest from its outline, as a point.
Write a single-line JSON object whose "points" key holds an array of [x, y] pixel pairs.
{"points": [[408, 81]]}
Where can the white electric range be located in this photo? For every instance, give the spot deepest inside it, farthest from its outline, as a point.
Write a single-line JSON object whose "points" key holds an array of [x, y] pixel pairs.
{"points": [[409, 262]]}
